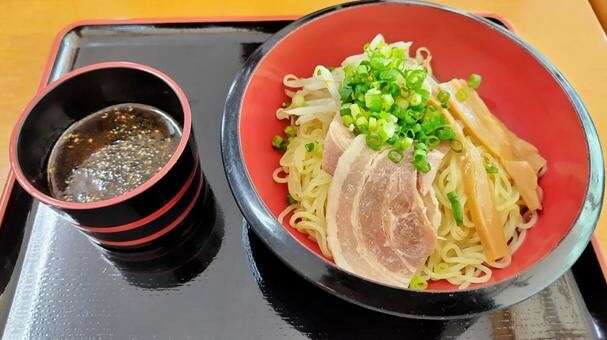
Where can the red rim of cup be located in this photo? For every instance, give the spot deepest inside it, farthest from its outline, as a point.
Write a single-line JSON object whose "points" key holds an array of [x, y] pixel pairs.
{"points": [[186, 130]]}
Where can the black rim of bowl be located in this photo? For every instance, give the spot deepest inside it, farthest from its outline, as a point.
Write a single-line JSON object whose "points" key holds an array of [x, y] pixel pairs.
{"points": [[392, 300]]}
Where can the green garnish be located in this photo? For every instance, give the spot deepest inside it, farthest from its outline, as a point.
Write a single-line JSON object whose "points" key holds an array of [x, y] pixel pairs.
{"points": [[279, 143], [345, 111], [403, 144], [290, 199], [461, 95], [415, 99], [474, 81], [373, 100], [347, 120], [383, 97], [443, 96], [310, 147], [415, 79], [374, 141], [420, 157], [456, 207], [395, 156], [457, 146], [445, 134], [490, 167], [432, 141], [362, 124], [418, 283], [291, 131]]}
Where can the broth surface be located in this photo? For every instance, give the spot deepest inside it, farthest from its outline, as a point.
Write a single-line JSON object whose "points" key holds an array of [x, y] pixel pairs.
{"points": [[111, 152]]}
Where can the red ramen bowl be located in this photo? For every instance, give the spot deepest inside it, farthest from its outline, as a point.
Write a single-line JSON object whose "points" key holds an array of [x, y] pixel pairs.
{"points": [[519, 85]]}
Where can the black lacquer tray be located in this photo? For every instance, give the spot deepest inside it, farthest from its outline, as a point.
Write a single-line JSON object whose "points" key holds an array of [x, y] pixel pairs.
{"points": [[218, 281]]}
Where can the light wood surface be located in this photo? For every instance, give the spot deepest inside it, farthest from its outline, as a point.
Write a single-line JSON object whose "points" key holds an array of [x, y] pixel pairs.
{"points": [[566, 31]]}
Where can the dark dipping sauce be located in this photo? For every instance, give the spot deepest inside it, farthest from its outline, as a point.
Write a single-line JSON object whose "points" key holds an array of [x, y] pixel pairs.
{"points": [[111, 152]]}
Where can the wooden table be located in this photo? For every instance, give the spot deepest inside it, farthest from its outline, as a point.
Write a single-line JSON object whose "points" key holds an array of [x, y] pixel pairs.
{"points": [[566, 31]]}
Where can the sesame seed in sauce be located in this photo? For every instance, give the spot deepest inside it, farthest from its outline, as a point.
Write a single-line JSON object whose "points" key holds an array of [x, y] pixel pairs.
{"points": [[129, 153]]}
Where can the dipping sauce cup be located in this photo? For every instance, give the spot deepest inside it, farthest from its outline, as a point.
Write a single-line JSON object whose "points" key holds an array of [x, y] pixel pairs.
{"points": [[134, 218]]}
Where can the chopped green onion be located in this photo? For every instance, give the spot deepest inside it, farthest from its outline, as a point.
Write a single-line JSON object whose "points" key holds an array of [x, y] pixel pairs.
{"points": [[432, 141], [420, 159], [443, 96], [362, 69], [474, 81], [384, 98], [402, 103], [290, 199], [387, 101], [431, 122], [403, 144], [422, 147], [425, 94], [457, 146], [423, 166], [491, 169], [392, 88], [347, 120], [373, 100], [345, 92], [418, 283], [445, 133], [361, 89], [345, 111], [387, 130], [461, 95], [395, 156], [355, 109], [374, 141], [456, 207], [398, 54], [389, 74], [415, 99], [362, 123], [279, 143], [291, 131], [415, 79], [310, 147], [373, 124]]}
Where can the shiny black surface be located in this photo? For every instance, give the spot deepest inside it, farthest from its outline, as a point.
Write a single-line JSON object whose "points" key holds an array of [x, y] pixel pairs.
{"points": [[218, 281]]}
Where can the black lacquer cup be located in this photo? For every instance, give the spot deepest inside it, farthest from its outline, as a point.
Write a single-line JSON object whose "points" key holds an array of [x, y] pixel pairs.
{"points": [[137, 217], [178, 258]]}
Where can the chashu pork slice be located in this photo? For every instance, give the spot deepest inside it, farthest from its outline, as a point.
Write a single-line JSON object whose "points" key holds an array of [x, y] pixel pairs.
{"points": [[345, 188], [426, 190], [336, 142], [376, 222]]}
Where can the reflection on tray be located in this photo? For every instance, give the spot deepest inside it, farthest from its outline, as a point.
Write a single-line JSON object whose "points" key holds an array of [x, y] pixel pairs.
{"points": [[302, 304], [181, 256], [552, 313]]}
